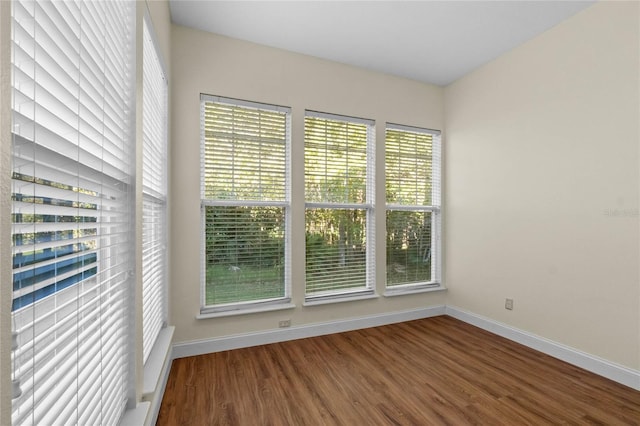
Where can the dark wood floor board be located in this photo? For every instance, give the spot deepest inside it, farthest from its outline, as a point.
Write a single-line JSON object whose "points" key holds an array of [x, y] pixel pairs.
{"points": [[436, 371]]}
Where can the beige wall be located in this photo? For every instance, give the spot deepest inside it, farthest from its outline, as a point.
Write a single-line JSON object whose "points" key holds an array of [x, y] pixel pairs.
{"points": [[542, 185], [207, 63]]}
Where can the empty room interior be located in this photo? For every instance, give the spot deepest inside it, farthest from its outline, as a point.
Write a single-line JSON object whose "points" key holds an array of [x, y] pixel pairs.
{"points": [[244, 213]]}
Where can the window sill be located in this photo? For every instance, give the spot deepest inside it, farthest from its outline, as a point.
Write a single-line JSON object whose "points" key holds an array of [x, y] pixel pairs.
{"points": [[153, 368], [339, 299], [136, 416], [391, 292], [253, 310]]}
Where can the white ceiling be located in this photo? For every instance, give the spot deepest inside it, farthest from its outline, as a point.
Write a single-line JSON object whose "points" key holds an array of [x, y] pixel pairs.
{"points": [[431, 41]]}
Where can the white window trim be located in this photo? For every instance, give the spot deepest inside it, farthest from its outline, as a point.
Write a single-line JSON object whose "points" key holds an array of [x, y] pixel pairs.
{"points": [[281, 306], [407, 289], [353, 296], [164, 200]]}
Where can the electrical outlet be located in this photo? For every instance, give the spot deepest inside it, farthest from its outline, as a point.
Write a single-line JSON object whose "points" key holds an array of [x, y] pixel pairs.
{"points": [[284, 323], [508, 304]]}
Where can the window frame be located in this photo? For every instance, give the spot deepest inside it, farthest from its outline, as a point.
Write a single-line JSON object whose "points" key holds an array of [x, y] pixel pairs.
{"points": [[369, 289], [435, 209], [157, 266], [255, 305]]}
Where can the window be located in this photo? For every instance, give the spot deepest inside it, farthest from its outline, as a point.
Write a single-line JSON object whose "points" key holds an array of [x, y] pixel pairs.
{"points": [[245, 203], [412, 168], [73, 89], [154, 193], [339, 204]]}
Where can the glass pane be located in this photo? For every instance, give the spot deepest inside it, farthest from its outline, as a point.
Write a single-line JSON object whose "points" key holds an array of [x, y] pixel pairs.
{"points": [[245, 152], [244, 254], [409, 167], [335, 250], [408, 247], [335, 161]]}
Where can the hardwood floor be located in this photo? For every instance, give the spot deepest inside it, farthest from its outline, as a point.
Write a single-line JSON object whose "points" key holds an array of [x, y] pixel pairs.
{"points": [[435, 371]]}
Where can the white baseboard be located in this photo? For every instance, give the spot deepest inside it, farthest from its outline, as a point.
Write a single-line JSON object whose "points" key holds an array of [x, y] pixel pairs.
{"points": [[602, 367], [200, 347]]}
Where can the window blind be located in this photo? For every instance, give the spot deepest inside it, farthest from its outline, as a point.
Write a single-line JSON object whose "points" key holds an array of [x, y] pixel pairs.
{"points": [[72, 83], [339, 222], [154, 193], [412, 164], [245, 202]]}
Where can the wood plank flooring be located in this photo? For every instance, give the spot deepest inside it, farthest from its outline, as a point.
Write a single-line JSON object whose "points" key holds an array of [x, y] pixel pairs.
{"points": [[435, 371]]}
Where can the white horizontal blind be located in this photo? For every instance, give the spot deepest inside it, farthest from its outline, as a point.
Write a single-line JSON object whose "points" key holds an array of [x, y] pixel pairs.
{"points": [[245, 202], [154, 189], [412, 164], [72, 115], [338, 187]]}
